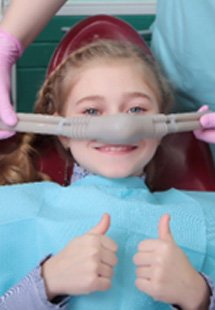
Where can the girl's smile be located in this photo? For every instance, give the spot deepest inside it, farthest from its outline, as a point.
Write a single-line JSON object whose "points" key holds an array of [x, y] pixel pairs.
{"points": [[115, 149]]}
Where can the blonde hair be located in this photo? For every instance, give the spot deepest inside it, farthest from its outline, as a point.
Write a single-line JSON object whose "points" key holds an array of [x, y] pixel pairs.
{"points": [[55, 89]]}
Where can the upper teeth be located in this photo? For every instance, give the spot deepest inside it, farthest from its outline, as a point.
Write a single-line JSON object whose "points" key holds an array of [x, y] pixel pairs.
{"points": [[115, 148]]}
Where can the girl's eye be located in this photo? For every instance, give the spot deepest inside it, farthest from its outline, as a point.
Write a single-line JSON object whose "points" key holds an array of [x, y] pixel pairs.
{"points": [[91, 111], [136, 109]]}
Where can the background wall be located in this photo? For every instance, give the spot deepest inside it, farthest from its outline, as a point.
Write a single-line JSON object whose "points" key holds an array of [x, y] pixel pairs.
{"points": [[90, 7]]}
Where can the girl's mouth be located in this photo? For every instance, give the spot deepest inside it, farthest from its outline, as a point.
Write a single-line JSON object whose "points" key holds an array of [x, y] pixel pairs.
{"points": [[116, 149]]}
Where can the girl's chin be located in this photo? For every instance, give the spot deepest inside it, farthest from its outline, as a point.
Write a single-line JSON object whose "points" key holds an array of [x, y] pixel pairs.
{"points": [[115, 174], [115, 171]]}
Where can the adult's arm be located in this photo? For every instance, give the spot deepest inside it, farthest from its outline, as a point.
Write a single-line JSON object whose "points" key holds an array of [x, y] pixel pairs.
{"points": [[21, 23], [25, 19]]}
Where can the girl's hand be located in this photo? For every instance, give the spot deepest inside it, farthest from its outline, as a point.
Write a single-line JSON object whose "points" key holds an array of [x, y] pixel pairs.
{"points": [[207, 133], [164, 272], [84, 266]]}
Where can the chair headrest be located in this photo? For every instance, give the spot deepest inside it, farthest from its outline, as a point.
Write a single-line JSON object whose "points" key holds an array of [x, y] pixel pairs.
{"points": [[94, 28]]}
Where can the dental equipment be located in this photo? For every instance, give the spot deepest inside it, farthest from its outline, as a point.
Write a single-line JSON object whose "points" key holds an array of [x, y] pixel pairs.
{"points": [[120, 128]]}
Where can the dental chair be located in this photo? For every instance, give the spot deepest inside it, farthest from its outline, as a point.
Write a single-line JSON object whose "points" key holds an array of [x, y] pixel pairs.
{"points": [[181, 161]]}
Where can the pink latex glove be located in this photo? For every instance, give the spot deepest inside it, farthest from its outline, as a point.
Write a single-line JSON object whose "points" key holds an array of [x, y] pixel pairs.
{"points": [[10, 51], [207, 133]]}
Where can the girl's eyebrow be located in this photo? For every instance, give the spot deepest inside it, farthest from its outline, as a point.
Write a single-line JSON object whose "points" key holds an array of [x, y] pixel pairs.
{"points": [[134, 95], [90, 98], [126, 96]]}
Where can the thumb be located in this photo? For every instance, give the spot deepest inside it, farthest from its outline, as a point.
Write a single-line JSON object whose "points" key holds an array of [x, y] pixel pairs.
{"points": [[102, 227], [208, 120], [164, 231]]}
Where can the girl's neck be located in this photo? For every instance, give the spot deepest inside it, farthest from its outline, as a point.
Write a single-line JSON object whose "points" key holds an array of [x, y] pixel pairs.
{"points": [[79, 173]]}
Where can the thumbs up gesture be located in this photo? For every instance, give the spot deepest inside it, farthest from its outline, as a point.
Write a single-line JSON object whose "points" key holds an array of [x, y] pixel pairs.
{"points": [[165, 273], [84, 266]]}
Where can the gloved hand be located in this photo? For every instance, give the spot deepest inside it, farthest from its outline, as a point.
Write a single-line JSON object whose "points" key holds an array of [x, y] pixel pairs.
{"points": [[207, 133], [10, 51]]}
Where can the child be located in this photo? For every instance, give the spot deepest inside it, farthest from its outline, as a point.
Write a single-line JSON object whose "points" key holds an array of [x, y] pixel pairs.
{"points": [[95, 262]]}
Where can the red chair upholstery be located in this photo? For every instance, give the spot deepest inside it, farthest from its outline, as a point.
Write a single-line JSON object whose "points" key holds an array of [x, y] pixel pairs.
{"points": [[93, 28], [182, 162]]}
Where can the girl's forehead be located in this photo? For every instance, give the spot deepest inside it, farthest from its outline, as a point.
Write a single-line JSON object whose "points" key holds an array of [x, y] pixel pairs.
{"points": [[102, 67], [102, 76]]}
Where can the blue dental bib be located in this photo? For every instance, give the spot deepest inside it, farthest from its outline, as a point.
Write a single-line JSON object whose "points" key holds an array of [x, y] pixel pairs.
{"points": [[41, 218]]}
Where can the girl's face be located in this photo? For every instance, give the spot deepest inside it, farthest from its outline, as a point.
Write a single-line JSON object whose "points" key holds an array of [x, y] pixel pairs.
{"points": [[105, 89]]}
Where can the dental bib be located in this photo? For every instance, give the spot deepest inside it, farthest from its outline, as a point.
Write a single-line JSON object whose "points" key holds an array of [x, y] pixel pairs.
{"points": [[37, 219]]}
